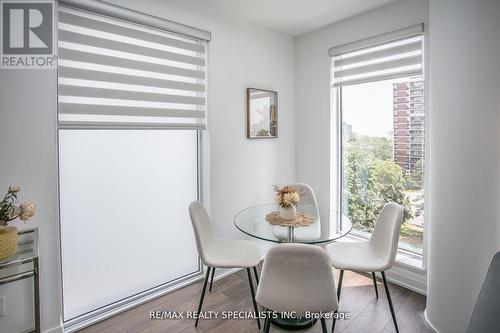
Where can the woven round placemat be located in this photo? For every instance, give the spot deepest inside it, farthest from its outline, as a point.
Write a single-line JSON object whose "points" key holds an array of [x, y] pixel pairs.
{"points": [[8, 241], [302, 220]]}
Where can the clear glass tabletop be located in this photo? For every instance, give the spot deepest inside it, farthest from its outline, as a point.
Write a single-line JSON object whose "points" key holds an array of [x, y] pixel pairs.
{"points": [[252, 221]]}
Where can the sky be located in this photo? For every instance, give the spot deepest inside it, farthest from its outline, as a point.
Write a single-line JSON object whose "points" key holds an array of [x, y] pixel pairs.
{"points": [[368, 107]]}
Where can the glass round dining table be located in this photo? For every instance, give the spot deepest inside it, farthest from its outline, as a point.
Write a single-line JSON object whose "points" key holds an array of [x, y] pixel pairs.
{"points": [[252, 221]]}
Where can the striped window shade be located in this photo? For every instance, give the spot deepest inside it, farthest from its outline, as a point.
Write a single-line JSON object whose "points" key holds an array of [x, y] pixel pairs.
{"points": [[113, 72], [388, 56]]}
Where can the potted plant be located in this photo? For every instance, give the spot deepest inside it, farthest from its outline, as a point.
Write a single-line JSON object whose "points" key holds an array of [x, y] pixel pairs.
{"points": [[287, 198], [9, 211]]}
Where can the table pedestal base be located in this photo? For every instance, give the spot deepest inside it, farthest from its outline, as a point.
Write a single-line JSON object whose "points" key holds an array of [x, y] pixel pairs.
{"points": [[294, 324]]}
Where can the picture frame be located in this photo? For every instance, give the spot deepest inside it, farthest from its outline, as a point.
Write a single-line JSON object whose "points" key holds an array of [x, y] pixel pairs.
{"points": [[262, 114]]}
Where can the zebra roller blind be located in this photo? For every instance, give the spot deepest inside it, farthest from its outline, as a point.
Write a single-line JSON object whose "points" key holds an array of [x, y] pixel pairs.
{"points": [[117, 73], [392, 55]]}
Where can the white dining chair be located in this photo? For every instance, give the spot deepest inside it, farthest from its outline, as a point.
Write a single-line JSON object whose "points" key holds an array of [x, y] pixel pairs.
{"points": [[312, 232], [297, 277], [375, 255], [306, 192], [222, 253]]}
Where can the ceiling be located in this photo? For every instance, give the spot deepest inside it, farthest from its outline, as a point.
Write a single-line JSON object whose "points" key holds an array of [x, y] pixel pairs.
{"points": [[295, 17]]}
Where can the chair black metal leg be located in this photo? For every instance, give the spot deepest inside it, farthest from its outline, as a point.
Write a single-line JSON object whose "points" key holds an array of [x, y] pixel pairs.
{"points": [[202, 295], [393, 314], [267, 325], [323, 325], [375, 283], [333, 321], [340, 283], [266, 311], [253, 296], [212, 279], [266, 319], [256, 275]]}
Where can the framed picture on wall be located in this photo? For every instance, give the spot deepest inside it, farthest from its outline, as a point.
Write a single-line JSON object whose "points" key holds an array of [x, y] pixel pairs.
{"points": [[262, 114]]}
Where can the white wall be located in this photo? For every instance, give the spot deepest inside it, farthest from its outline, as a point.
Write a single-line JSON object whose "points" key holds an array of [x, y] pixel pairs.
{"points": [[312, 71], [28, 158], [465, 157], [241, 55]]}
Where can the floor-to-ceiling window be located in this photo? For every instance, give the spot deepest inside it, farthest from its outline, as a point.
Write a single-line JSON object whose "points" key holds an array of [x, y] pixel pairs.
{"points": [[379, 90], [130, 117]]}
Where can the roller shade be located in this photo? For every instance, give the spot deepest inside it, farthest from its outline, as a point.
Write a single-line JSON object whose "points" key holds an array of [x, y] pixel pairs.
{"points": [[392, 55], [114, 72]]}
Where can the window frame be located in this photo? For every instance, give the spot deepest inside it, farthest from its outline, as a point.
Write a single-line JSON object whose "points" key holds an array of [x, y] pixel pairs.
{"points": [[418, 260], [202, 158], [409, 270]]}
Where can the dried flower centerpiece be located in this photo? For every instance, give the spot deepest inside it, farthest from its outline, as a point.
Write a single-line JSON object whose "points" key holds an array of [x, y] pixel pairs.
{"points": [[287, 198], [9, 211]]}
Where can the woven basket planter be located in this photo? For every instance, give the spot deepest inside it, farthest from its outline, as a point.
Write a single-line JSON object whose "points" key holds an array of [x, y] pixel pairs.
{"points": [[8, 241]]}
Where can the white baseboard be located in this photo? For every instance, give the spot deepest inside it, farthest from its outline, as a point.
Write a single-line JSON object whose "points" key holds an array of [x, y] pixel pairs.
{"points": [[412, 280], [57, 329]]}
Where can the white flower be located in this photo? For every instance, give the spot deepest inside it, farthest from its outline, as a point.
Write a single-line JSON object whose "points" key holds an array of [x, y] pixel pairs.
{"points": [[290, 198], [14, 188], [28, 209], [277, 198]]}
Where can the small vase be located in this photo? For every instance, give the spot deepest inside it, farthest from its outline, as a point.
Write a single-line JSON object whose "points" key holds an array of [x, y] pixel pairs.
{"points": [[288, 213], [8, 241]]}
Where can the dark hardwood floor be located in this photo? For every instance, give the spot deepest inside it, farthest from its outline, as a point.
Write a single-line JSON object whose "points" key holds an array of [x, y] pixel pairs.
{"points": [[368, 314]]}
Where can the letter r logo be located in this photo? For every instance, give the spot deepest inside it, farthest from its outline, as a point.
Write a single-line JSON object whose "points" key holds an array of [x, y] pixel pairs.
{"points": [[27, 27]]}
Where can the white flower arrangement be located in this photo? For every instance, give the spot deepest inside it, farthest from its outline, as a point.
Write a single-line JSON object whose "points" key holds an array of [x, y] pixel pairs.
{"points": [[10, 210], [286, 196]]}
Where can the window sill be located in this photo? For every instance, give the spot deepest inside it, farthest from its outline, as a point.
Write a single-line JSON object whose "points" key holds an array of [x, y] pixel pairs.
{"points": [[410, 260]]}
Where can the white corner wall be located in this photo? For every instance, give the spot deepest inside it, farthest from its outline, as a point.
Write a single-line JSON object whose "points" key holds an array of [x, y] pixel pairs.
{"points": [[312, 73], [240, 55], [464, 232], [241, 171], [28, 157]]}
